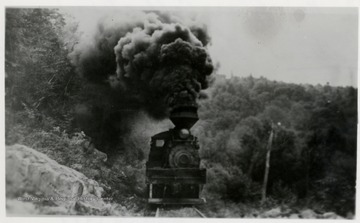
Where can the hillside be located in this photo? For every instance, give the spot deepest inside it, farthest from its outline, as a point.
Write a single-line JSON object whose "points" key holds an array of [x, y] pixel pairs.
{"points": [[313, 158]]}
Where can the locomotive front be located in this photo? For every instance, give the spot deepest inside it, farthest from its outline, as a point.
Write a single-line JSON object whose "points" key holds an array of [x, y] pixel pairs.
{"points": [[173, 173]]}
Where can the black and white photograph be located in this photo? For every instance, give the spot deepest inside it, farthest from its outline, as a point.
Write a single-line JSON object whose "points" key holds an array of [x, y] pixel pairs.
{"points": [[241, 112]]}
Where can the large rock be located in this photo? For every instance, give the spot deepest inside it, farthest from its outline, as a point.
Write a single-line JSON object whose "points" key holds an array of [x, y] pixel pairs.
{"points": [[294, 216], [273, 213], [308, 213], [330, 215], [44, 180]]}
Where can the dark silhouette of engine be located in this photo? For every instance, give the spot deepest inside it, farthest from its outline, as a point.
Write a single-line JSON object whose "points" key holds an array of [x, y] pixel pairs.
{"points": [[173, 173]]}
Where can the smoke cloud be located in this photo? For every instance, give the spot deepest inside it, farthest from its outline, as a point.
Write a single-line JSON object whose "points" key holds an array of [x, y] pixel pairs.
{"points": [[145, 59]]}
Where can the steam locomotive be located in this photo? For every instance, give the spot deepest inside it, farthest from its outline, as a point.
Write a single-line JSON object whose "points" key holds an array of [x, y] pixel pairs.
{"points": [[173, 173]]}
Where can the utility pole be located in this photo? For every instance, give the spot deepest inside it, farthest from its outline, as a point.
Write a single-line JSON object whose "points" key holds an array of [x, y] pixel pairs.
{"points": [[267, 164]]}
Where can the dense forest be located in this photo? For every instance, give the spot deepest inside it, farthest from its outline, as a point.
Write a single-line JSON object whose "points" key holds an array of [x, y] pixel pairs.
{"points": [[313, 151], [314, 148]]}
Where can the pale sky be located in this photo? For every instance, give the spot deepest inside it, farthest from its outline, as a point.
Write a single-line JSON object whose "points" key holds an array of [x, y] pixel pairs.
{"points": [[295, 45], [300, 45]]}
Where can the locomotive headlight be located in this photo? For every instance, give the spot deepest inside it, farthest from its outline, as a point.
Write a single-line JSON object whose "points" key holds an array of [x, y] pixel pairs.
{"points": [[184, 133]]}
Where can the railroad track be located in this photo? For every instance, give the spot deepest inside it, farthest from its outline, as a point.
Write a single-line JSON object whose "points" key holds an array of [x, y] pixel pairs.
{"points": [[179, 212]]}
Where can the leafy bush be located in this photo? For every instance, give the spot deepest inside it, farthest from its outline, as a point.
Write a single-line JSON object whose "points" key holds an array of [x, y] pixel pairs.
{"points": [[240, 187], [281, 192], [336, 194], [230, 184], [215, 188]]}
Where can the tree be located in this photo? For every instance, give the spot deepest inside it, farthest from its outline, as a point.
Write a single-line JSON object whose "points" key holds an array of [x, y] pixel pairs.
{"points": [[267, 164], [39, 76]]}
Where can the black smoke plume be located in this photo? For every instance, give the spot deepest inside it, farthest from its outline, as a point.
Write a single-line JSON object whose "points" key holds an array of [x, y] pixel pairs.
{"points": [[139, 63]]}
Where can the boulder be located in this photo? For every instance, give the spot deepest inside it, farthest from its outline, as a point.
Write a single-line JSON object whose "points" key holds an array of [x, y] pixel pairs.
{"points": [[329, 215], [340, 218], [33, 177], [273, 213], [349, 215], [308, 213], [294, 216]]}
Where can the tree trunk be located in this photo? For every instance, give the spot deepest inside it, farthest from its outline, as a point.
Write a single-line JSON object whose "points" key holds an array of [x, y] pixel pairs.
{"points": [[267, 166]]}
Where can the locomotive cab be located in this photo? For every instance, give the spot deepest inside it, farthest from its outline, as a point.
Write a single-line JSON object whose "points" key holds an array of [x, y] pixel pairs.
{"points": [[173, 173]]}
